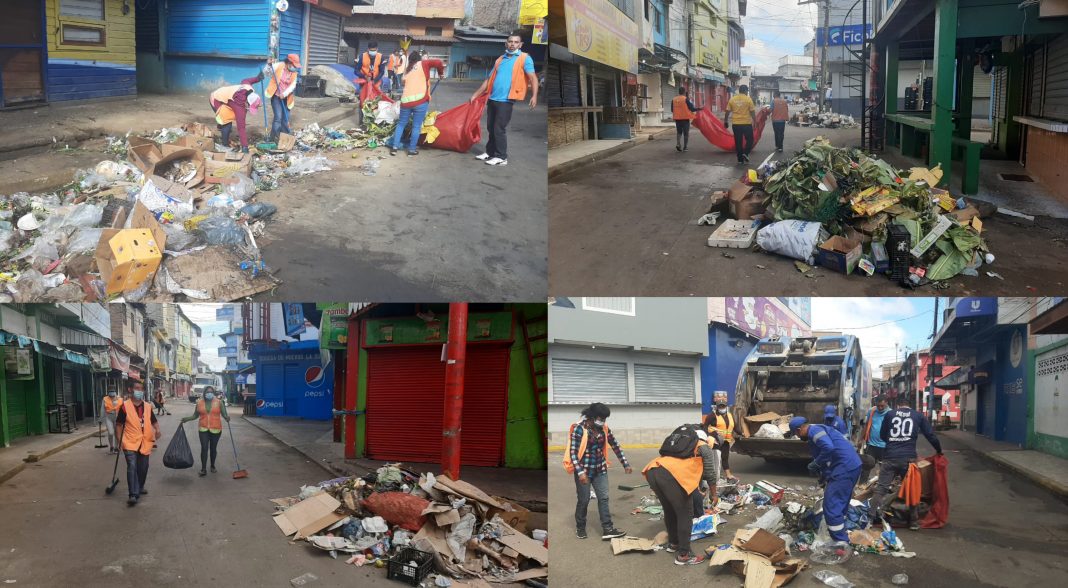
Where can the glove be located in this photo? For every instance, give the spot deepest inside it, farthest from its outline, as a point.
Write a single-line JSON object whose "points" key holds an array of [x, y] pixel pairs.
{"points": [[814, 469]]}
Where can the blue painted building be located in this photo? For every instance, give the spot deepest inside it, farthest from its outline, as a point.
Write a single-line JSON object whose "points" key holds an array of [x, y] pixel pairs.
{"points": [[727, 350], [293, 381]]}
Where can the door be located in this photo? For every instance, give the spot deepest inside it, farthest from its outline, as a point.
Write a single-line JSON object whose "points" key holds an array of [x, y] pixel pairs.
{"points": [[987, 410], [22, 53], [17, 407], [294, 392], [406, 392], [1051, 393], [324, 35]]}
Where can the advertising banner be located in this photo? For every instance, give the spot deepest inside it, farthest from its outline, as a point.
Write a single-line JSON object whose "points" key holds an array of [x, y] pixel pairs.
{"points": [[761, 317], [599, 31]]}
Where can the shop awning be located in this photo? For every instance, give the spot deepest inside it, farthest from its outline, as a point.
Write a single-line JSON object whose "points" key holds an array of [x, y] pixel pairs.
{"points": [[970, 320], [1052, 322], [77, 358], [953, 381], [388, 32]]}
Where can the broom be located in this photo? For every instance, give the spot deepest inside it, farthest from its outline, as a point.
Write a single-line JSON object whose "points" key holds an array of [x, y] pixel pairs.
{"points": [[629, 488], [240, 473], [114, 475]]}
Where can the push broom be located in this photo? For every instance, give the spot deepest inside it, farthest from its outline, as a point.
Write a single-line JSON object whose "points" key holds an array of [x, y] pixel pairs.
{"points": [[114, 474], [240, 473]]}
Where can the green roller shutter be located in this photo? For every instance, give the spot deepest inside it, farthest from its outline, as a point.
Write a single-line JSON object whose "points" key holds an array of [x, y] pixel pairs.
{"points": [[16, 408]]}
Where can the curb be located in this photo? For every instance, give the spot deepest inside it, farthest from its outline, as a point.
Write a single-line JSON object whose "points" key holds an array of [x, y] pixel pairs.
{"points": [[574, 164], [1038, 479], [310, 458], [36, 457]]}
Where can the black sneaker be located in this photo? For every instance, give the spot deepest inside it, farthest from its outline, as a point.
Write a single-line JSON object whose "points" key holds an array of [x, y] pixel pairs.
{"points": [[678, 148], [745, 158], [213, 470], [131, 501], [671, 548], [581, 534], [203, 472], [688, 559], [914, 526], [612, 534], [413, 153], [392, 151]]}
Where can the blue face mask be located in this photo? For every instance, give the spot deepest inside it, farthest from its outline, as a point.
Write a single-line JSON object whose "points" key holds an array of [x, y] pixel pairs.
{"points": [[138, 395], [209, 396], [512, 51]]}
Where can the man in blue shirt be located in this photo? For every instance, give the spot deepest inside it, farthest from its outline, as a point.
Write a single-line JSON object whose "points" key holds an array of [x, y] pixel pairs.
{"points": [[506, 85], [874, 442], [838, 466], [831, 418], [899, 430]]}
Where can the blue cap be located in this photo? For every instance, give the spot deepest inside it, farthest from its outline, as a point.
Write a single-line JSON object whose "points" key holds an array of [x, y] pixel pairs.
{"points": [[830, 410], [795, 424]]}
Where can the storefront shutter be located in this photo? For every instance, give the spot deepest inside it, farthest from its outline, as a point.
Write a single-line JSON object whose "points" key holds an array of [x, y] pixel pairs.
{"points": [[324, 34], [1055, 104], [667, 94], [16, 408], [1034, 86], [570, 84], [583, 382], [658, 383], [1001, 76]]}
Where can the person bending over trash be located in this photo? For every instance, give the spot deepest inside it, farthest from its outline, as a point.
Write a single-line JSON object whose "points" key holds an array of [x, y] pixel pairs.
{"points": [[900, 429], [230, 105], [587, 459], [837, 465], [687, 458], [211, 411], [415, 100]]}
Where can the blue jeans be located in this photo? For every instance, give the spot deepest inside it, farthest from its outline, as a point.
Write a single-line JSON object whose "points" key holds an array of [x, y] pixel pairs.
{"points": [[280, 124], [600, 486], [136, 471], [416, 116]]}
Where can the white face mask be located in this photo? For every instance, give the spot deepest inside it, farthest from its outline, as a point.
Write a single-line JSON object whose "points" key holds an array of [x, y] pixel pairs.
{"points": [[598, 423], [721, 409]]}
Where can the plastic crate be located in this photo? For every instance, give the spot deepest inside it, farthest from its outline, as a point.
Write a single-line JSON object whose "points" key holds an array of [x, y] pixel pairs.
{"points": [[401, 569], [898, 244]]}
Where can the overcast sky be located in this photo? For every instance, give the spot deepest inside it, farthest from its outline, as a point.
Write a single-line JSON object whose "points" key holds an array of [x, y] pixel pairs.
{"points": [[774, 28], [879, 323], [204, 316]]}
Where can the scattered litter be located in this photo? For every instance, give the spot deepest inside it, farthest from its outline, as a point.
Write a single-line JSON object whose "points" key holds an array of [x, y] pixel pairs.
{"points": [[832, 579], [995, 275], [304, 579], [708, 219], [899, 579]]}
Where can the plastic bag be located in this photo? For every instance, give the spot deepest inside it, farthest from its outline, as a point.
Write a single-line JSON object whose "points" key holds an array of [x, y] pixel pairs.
{"points": [[158, 202], [704, 526], [30, 286], [398, 508], [259, 209], [460, 127], [793, 238], [84, 239], [241, 187], [768, 521], [832, 579], [831, 553], [85, 215], [113, 171], [720, 136], [300, 165], [387, 113], [220, 230], [769, 431], [178, 239], [460, 534], [178, 455]]}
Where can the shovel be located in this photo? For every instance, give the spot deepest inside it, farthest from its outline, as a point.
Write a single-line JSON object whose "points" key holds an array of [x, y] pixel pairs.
{"points": [[240, 473], [629, 488], [114, 475]]}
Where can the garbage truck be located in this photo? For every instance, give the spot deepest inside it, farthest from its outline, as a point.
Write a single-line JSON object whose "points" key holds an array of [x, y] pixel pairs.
{"points": [[799, 376]]}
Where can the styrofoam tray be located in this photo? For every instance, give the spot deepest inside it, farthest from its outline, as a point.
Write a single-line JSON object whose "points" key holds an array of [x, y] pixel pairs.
{"points": [[736, 234]]}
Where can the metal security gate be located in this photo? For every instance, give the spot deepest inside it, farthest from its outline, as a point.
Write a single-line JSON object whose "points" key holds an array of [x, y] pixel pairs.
{"points": [[406, 393], [583, 382], [324, 36], [17, 407], [294, 390], [1055, 92], [667, 94], [562, 84], [658, 383]]}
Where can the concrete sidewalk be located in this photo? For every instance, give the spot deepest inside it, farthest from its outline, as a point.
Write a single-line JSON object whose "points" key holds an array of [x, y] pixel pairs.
{"points": [[24, 450], [314, 440], [1045, 470], [568, 158]]}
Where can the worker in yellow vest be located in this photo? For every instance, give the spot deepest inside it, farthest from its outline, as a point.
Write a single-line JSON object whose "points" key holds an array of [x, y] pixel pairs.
{"points": [[138, 431], [516, 72], [587, 460], [109, 411], [682, 112], [211, 411], [687, 457], [721, 420], [415, 101], [281, 90]]}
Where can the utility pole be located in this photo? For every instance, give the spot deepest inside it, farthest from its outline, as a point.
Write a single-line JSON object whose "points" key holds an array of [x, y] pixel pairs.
{"points": [[930, 362], [822, 92]]}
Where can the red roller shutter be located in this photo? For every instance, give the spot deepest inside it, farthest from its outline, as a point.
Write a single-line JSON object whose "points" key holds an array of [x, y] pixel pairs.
{"points": [[406, 397]]}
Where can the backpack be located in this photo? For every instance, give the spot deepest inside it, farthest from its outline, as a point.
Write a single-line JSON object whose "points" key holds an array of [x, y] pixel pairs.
{"points": [[681, 443]]}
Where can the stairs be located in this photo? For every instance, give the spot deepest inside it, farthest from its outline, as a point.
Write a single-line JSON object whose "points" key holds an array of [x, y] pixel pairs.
{"points": [[856, 77], [536, 337]]}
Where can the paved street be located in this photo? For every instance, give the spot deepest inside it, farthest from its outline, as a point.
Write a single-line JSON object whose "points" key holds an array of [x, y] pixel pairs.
{"points": [[628, 223], [1001, 532], [60, 529]]}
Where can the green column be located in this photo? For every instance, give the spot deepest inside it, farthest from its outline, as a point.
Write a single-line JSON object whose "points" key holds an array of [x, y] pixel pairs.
{"points": [[945, 51], [890, 88], [5, 432], [964, 93], [36, 421]]}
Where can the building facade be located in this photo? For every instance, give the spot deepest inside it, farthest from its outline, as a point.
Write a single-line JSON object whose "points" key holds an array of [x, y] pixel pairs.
{"points": [[1048, 357]]}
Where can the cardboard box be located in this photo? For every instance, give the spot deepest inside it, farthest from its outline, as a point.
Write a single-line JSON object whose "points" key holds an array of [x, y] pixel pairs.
{"points": [[309, 516], [625, 544], [126, 258], [196, 142], [515, 515], [219, 169], [151, 158], [762, 542], [965, 215], [286, 142], [840, 254], [143, 153], [744, 201]]}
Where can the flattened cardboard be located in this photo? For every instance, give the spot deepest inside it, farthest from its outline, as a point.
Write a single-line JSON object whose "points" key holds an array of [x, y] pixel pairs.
{"points": [[173, 189], [466, 490], [628, 544], [757, 570], [125, 275], [436, 537], [309, 516], [286, 142], [526, 546], [444, 519], [762, 542], [515, 515], [217, 271], [219, 168]]}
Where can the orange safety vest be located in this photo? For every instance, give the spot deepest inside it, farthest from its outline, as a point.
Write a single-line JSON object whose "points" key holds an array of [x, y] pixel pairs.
{"points": [[285, 77], [212, 421], [370, 72], [679, 110], [725, 426], [687, 472], [112, 405], [911, 486], [568, 465], [780, 110], [137, 433], [519, 77], [415, 85], [867, 429], [391, 65]]}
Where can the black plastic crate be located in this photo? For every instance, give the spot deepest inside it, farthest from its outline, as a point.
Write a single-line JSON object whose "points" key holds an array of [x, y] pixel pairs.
{"points": [[402, 570], [898, 245]]}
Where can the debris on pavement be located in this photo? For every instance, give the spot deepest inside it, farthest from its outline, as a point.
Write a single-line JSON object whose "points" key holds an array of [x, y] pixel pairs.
{"points": [[759, 557], [832, 579]]}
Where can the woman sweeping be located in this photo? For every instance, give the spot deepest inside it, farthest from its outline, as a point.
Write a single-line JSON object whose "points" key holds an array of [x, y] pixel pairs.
{"points": [[415, 100], [211, 412]]}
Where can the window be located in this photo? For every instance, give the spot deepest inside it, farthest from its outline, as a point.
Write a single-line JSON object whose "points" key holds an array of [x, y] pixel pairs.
{"points": [[647, 9], [82, 9], [433, 31], [619, 305], [658, 383], [79, 35], [81, 22], [658, 21]]}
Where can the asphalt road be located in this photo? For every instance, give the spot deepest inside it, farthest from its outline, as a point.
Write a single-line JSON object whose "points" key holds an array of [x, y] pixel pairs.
{"points": [[628, 223], [438, 226], [60, 529], [1001, 532]]}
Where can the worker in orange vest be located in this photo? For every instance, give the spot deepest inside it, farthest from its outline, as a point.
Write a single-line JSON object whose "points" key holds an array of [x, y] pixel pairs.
{"points": [[516, 71], [230, 105], [780, 113], [400, 65], [281, 87], [109, 411], [721, 421], [211, 411], [682, 111], [587, 460], [138, 431], [369, 66]]}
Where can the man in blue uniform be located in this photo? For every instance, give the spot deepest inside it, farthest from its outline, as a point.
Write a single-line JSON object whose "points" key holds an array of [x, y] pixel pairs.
{"points": [[831, 418], [837, 464], [900, 430]]}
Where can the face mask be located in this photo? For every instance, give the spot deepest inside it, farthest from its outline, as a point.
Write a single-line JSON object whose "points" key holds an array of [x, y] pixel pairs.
{"points": [[139, 395], [112, 394], [512, 51], [598, 423], [208, 396], [372, 51], [721, 409]]}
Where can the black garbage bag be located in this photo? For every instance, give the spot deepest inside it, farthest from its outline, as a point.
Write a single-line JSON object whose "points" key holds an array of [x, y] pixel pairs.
{"points": [[178, 455]]}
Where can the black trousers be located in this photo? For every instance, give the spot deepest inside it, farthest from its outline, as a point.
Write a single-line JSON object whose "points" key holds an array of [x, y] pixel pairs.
{"points": [[725, 457], [136, 471], [209, 440], [498, 115], [743, 132], [780, 132], [682, 133], [678, 507]]}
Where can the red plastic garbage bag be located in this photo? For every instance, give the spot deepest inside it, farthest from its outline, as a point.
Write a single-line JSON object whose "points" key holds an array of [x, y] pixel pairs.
{"points": [[720, 136], [938, 516], [398, 508], [460, 127], [370, 91]]}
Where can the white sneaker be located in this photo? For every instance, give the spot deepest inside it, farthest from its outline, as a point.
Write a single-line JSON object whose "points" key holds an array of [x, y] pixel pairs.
{"points": [[482, 157], [496, 161]]}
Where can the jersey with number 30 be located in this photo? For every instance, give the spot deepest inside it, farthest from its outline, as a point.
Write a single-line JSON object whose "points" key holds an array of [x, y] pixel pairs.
{"points": [[901, 428]]}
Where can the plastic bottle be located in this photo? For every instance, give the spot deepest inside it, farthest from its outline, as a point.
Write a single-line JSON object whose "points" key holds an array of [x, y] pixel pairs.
{"points": [[900, 579], [832, 579]]}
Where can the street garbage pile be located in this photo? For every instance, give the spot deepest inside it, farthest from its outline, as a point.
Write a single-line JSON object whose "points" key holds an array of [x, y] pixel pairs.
{"points": [[810, 116], [425, 530], [850, 212]]}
